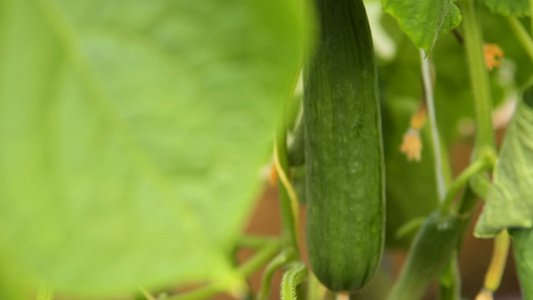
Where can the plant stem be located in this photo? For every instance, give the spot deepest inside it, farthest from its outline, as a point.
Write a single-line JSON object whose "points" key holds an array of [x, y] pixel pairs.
{"points": [[480, 184], [479, 80], [297, 147], [522, 35], [472, 170], [258, 260], [409, 226], [287, 196], [448, 289], [294, 276], [275, 264], [256, 242], [428, 90], [246, 269]]}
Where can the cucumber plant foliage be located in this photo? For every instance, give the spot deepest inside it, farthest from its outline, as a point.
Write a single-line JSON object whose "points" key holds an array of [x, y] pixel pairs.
{"points": [[134, 135], [510, 200], [129, 129]]}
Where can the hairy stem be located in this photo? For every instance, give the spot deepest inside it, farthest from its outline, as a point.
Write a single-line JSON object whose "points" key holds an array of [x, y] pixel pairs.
{"points": [[280, 260], [291, 279]]}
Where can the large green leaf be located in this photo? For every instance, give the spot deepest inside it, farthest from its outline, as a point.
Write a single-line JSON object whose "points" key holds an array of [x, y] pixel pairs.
{"points": [[523, 253], [12, 286], [132, 134], [510, 199], [424, 21], [508, 7]]}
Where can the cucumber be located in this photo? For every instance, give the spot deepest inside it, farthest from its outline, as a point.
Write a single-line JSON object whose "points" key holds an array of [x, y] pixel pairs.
{"points": [[430, 252], [343, 149]]}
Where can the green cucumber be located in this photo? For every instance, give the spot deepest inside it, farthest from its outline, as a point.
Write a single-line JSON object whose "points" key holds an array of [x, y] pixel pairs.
{"points": [[343, 149], [430, 252]]}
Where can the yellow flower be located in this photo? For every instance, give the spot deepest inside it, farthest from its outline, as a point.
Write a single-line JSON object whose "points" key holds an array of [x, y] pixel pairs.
{"points": [[493, 55], [412, 145]]}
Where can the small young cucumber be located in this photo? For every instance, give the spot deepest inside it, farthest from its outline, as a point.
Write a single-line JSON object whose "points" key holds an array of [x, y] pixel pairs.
{"points": [[430, 252], [343, 149]]}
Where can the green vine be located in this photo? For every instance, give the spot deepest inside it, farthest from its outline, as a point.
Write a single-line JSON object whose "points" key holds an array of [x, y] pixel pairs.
{"points": [[280, 260], [473, 169], [485, 143], [291, 279]]}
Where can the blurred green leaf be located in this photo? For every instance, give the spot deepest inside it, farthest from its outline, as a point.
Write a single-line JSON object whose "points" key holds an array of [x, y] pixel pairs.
{"points": [[424, 21], [11, 284], [508, 7], [510, 199], [132, 135]]}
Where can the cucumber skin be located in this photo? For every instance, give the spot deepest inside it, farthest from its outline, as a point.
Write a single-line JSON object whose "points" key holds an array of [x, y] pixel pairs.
{"points": [[430, 251], [343, 150]]}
